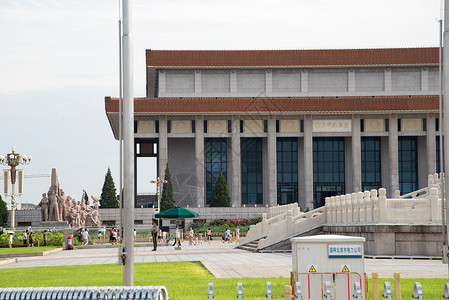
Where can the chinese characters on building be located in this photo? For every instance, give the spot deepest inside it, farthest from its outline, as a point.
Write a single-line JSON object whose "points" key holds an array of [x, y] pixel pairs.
{"points": [[332, 126]]}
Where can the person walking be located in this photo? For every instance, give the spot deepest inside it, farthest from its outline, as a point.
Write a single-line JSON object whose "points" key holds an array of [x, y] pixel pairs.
{"points": [[86, 236], [237, 235], [191, 233], [209, 234], [31, 239], [154, 233], [177, 237], [25, 238], [44, 236], [10, 239]]}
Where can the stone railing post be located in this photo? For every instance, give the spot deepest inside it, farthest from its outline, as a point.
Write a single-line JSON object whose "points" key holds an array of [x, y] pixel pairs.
{"points": [[397, 194], [434, 210], [383, 213], [368, 206], [338, 209], [361, 204], [333, 210], [355, 208], [264, 224], [348, 208], [289, 222], [343, 209], [375, 205], [328, 210], [295, 210]]}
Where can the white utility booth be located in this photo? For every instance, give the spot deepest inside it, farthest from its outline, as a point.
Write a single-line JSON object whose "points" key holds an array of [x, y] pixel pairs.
{"points": [[329, 266]]}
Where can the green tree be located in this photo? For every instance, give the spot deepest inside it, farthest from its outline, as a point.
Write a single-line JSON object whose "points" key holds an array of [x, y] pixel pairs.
{"points": [[86, 198], [167, 199], [3, 213], [108, 193], [220, 195]]}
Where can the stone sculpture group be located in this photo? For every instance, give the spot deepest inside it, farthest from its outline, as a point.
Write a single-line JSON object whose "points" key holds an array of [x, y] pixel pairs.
{"points": [[58, 207]]}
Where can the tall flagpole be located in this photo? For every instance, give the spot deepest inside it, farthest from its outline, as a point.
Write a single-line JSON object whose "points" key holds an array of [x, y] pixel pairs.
{"points": [[128, 149]]}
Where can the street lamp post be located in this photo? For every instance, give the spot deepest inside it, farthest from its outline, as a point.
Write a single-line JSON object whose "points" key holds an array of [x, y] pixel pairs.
{"points": [[13, 159], [158, 182]]}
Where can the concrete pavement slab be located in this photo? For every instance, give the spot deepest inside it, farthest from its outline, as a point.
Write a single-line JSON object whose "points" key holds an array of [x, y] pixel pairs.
{"points": [[225, 262]]}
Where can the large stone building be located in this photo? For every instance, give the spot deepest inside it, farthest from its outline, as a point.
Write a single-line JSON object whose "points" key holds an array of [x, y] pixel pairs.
{"points": [[289, 126]]}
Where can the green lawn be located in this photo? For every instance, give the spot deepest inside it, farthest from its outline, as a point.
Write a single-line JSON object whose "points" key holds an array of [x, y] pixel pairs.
{"points": [[183, 280], [26, 249]]}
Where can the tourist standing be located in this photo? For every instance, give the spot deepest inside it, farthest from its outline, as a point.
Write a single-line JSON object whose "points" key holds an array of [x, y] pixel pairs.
{"points": [[44, 236], [31, 239], [209, 234], [237, 235], [177, 237], [10, 239], [154, 233], [25, 238], [191, 233], [86, 236]]}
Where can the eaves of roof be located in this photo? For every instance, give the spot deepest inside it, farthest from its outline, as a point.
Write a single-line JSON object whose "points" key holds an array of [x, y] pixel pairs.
{"points": [[291, 58], [250, 105]]}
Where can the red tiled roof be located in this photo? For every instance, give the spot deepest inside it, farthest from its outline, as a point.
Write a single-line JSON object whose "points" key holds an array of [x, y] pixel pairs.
{"points": [[261, 58], [278, 104]]}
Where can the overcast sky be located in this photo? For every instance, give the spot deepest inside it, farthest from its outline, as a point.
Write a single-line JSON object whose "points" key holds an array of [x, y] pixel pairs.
{"points": [[58, 59]]}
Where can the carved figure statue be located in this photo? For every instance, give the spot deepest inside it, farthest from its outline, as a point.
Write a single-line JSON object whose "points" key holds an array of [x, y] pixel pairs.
{"points": [[54, 212], [61, 204], [44, 207], [57, 206]]}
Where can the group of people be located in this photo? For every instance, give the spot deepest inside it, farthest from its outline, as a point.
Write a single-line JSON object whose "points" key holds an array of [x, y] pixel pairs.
{"points": [[59, 207], [28, 239], [227, 235]]}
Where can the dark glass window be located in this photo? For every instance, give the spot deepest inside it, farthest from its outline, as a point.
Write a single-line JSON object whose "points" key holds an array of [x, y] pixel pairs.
{"points": [[252, 181], [215, 162], [408, 164], [437, 146], [287, 170], [328, 168], [371, 164]]}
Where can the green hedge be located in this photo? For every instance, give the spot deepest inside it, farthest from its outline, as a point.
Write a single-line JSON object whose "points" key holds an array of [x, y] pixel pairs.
{"points": [[53, 239]]}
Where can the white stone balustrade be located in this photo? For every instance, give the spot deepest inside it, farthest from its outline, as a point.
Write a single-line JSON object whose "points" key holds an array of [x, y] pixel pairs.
{"points": [[374, 207]]}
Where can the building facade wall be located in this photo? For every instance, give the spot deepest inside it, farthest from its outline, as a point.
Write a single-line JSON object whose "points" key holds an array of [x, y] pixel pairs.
{"points": [[182, 136], [186, 155]]}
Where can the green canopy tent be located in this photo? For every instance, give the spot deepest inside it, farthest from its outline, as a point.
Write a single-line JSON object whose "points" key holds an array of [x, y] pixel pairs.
{"points": [[176, 213]]}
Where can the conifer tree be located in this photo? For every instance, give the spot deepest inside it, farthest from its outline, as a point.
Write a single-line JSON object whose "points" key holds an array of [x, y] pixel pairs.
{"points": [[167, 199], [3, 213], [108, 193], [220, 195], [86, 198]]}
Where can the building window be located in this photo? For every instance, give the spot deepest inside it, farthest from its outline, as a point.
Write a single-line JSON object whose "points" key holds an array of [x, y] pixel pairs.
{"points": [[328, 168], [287, 170], [216, 162], [408, 164], [371, 163], [438, 160], [252, 181]]}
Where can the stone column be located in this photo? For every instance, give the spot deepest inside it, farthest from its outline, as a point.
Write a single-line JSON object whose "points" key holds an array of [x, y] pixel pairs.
{"points": [[308, 161], [431, 144], [235, 162], [356, 155], [271, 162], [199, 160], [393, 154], [162, 154]]}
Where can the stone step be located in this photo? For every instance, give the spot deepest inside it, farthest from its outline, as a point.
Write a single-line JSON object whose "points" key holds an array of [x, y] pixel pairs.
{"points": [[251, 249]]}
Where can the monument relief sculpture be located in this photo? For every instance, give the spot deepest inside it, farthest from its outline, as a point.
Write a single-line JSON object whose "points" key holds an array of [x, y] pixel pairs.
{"points": [[56, 206], [44, 207]]}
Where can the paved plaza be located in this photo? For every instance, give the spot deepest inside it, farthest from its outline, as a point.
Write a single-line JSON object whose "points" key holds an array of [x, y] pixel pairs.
{"points": [[223, 261]]}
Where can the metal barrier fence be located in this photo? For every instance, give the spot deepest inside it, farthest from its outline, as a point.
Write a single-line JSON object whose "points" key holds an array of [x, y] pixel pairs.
{"points": [[85, 293]]}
